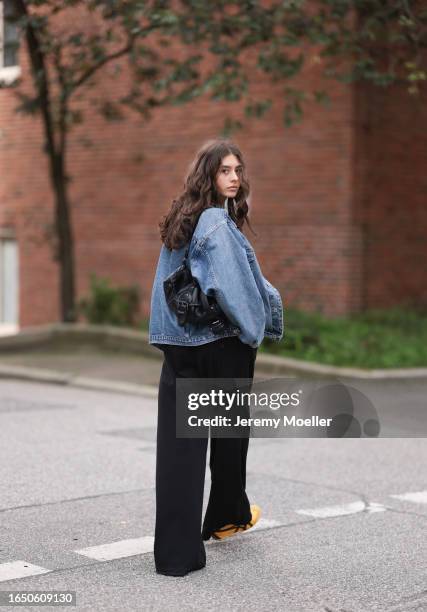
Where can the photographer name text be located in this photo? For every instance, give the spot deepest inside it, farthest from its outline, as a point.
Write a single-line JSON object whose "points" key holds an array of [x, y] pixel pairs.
{"points": [[286, 421]]}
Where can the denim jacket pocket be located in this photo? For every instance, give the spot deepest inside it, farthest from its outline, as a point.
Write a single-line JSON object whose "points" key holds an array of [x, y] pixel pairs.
{"points": [[276, 331]]}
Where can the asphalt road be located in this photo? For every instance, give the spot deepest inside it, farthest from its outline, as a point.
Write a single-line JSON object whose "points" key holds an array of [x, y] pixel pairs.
{"points": [[343, 523]]}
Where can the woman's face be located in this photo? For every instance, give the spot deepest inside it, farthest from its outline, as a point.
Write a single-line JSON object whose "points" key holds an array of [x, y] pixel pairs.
{"points": [[227, 179]]}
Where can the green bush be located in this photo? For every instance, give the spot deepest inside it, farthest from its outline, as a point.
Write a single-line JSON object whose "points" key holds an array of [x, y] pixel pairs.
{"points": [[391, 338], [109, 305]]}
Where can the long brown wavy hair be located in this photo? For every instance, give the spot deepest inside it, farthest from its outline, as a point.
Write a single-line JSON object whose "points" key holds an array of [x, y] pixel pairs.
{"points": [[200, 192]]}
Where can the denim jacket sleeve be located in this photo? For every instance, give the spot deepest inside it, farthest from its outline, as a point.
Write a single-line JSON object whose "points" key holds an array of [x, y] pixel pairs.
{"points": [[220, 263]]}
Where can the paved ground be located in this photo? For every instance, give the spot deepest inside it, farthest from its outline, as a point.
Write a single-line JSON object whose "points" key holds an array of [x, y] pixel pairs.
{"points": [[87, 361], [343, 525]]}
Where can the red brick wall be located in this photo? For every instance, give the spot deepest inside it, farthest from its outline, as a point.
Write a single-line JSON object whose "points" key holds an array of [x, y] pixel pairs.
{"points": [[308, 193], [390, 195]]}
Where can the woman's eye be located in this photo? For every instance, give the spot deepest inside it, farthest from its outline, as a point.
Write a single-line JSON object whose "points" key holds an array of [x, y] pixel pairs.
{"points": [[227, 170]]}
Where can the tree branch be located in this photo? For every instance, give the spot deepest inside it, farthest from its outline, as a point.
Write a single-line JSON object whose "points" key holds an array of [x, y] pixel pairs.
{"points": [[91, 71]]}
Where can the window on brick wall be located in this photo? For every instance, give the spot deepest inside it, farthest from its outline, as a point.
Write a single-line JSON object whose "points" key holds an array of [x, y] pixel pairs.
{"points": [[9, 43], [9, 286]]}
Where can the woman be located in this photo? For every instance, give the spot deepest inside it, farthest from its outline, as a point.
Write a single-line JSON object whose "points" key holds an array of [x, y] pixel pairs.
{"points": [[213, 206]]}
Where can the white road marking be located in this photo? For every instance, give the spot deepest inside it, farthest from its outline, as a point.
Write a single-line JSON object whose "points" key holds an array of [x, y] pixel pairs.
{"points": [[375, 507], [342, 509], [419, 497], [118, 550], [263, 524], [20, 569], [140, 546]]}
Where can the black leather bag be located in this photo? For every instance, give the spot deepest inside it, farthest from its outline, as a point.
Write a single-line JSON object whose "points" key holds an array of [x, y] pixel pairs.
{"points": [[190, 304]]}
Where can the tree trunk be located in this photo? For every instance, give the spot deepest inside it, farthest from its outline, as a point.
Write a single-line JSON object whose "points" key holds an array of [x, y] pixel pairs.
{"points": [[64, 235], [65, 242]]}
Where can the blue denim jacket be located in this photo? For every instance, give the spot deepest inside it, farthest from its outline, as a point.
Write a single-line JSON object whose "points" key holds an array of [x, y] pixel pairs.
{"points": [[224, 263]]}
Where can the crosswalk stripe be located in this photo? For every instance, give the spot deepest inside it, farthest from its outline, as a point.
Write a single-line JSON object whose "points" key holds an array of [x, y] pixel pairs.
{"points": [[342, 509], [120, 549], [20, 569], [419, 497], [375, 507], [140, 546], [263, 524]]}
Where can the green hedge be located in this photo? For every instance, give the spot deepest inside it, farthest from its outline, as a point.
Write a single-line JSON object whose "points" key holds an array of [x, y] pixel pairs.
{"points": [[375, 339]]}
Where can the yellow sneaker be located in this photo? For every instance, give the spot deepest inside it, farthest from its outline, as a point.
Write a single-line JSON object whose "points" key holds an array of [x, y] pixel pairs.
{"points": [[231, 529]]}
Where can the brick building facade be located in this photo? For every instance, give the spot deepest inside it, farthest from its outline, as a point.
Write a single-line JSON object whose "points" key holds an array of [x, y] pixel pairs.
{"points": [[338, 202]]}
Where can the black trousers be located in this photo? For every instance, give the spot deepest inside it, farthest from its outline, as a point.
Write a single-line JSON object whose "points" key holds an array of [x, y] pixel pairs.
{"points": [[181, 462]]}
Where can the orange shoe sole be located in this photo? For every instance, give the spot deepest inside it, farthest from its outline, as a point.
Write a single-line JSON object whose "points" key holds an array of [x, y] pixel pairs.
{"points": [[231, 529]]}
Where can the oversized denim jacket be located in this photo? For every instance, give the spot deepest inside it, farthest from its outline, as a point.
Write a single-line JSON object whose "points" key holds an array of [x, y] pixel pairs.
{"points": [[224, 263]]}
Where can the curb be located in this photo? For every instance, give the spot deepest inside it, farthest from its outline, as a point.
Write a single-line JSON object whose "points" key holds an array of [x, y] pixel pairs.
{"points": [[129, 340], [82, 382], [104, 336], [285, 365]]}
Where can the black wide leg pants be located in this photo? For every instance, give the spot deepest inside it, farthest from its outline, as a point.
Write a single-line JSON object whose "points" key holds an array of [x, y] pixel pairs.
{"points": [[181, 462]]}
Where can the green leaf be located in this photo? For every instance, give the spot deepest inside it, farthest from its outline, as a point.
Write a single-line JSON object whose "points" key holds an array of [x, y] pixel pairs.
{"points": [[111, 111], [258, 109], [230, 126], [322, 97], [30, 105]]}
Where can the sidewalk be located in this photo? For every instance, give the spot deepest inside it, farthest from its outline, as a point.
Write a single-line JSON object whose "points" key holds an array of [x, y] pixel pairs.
{"points": [[120, 359], [86, 364]]}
